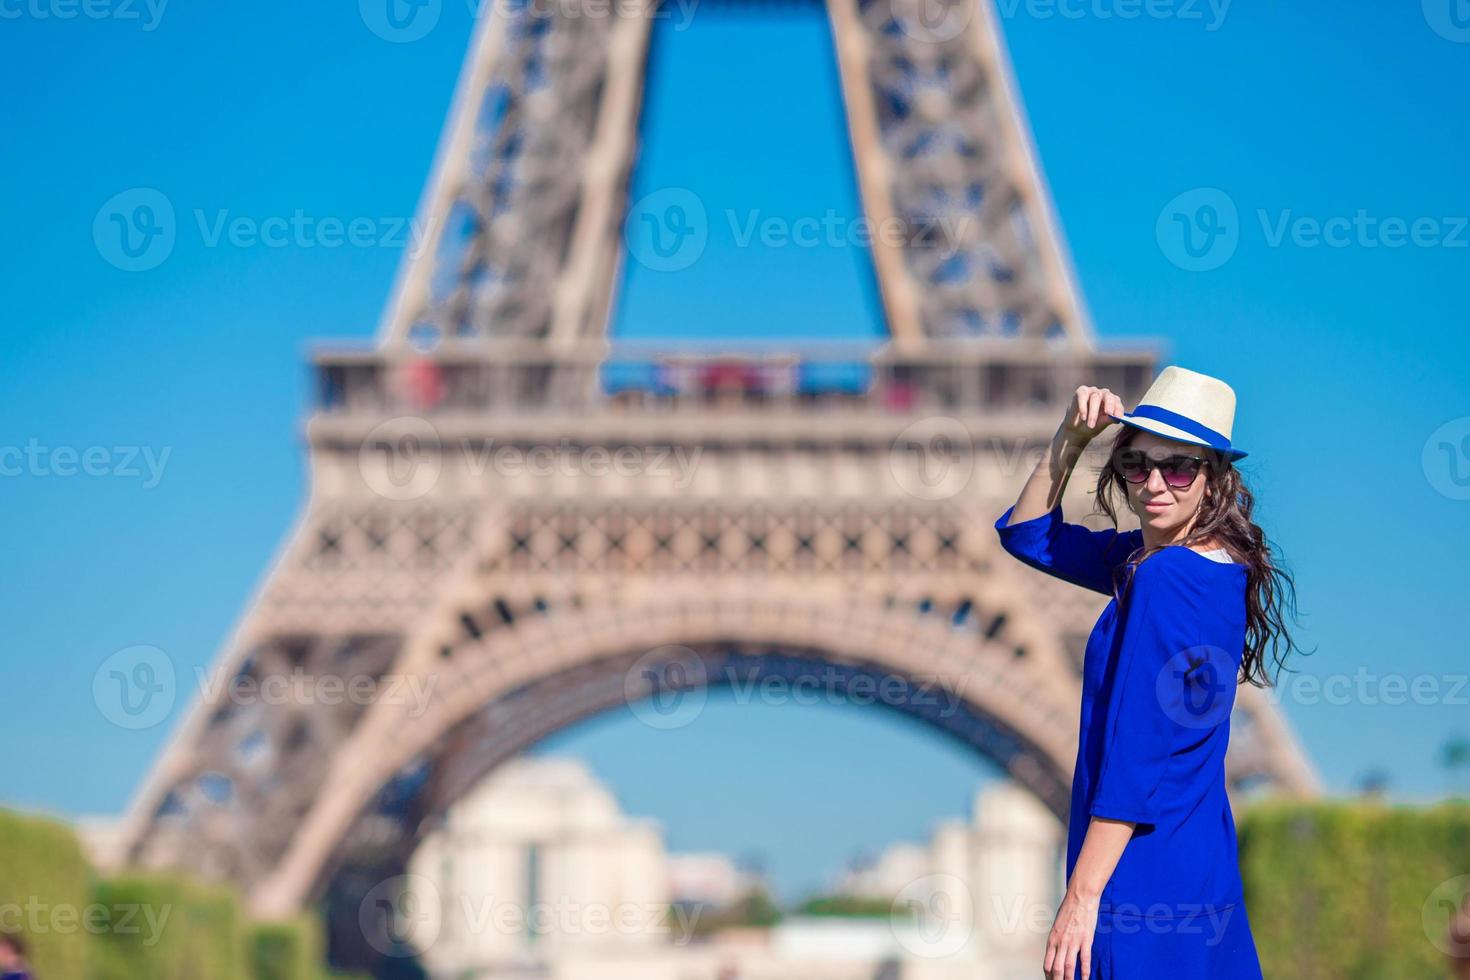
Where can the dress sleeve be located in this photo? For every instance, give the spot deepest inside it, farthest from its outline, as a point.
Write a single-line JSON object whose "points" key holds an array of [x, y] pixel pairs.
{"points": [[1070, 552], [1147, 709]]}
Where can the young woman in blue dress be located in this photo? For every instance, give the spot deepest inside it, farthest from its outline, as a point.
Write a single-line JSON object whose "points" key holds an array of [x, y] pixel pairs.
{"points": [[1198, 601]]}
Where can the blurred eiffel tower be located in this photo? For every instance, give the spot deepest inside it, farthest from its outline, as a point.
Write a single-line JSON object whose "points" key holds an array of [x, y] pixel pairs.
{"points": [[829, 527]]}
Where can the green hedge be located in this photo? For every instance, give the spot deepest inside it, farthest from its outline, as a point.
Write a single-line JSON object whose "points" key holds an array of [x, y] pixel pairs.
{"points": [[847, 907], [1339, 889], [197, 932], [168, 928], [44, 891], [137, 926], [289, 950]]}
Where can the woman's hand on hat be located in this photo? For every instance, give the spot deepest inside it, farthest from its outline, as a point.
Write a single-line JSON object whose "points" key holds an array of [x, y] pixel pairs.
{"points": [[1088, 414]]}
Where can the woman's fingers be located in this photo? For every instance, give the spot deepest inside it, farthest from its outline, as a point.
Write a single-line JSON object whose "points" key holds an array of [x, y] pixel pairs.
{"points": [[1064, 963], [1056, 959], [1090, 408], [1084, 415], [1056, 943]]}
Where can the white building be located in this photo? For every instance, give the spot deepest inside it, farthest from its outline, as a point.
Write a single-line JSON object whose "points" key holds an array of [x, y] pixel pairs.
{"points": [[537, 861], [983, 892], [708, 879], [538, 873]]}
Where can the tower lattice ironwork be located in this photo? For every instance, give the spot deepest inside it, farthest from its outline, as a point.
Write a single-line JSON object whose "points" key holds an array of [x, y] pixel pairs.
{"points": [[493, 520]]}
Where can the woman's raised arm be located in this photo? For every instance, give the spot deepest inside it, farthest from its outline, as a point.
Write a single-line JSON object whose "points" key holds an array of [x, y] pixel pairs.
{"points": [[1086, 416]]}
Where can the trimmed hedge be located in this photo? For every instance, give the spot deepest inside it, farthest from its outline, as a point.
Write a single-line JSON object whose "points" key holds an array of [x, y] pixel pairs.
{"points": [[1342, 889], [847, 907], [290, 950], [45, 886], [168, 928], [137, 926]]}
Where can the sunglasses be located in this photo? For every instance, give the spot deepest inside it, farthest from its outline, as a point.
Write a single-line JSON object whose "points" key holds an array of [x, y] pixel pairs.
{"points": [[1178, 472]]}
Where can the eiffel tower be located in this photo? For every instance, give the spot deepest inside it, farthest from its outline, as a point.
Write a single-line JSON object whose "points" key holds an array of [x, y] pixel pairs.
{"points": [[844, 529]]}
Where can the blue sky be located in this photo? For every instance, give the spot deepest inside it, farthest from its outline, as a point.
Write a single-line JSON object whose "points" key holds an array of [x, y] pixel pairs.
{"points": [[1349, 353]]}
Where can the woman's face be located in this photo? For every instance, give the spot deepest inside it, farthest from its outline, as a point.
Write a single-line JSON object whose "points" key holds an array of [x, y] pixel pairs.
{"points": [[1165, 509]]}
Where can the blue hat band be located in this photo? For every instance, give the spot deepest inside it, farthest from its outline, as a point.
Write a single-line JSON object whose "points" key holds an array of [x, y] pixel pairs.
{"points": [[1215, 440]]}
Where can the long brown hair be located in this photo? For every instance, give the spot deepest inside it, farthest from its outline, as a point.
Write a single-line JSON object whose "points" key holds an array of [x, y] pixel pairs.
{"points": [[1225, 516]]}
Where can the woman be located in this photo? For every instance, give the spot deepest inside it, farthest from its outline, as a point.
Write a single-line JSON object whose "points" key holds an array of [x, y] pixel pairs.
{"points": [[1153, 881]]}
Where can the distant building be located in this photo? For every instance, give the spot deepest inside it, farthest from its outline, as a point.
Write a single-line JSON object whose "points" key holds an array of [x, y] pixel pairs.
{"points": [[536, 861], [887, 876], [985, 890], [708, 879], [537, 872]]}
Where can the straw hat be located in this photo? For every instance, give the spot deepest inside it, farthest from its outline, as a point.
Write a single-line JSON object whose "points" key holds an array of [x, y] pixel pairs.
{"points": [[1187, 406]]}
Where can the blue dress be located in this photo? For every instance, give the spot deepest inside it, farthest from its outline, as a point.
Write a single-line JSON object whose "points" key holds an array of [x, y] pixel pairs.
{"points": [[1158, 683]]}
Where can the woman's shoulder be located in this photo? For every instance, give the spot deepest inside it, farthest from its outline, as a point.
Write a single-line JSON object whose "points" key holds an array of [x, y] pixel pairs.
{"points": [[1199, 560], [1182, 570]]}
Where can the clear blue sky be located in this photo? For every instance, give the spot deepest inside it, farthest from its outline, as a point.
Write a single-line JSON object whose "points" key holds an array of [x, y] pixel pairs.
{"points": [[1347, 356]]}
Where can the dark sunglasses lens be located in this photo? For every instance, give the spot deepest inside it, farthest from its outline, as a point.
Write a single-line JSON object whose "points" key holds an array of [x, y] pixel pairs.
{"points": [[1131, 465], [1179, 471]]}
